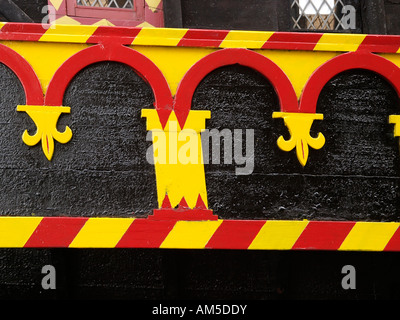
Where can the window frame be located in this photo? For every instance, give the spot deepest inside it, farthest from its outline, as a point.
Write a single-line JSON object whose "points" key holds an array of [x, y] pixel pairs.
{"points": [[127, 14]]}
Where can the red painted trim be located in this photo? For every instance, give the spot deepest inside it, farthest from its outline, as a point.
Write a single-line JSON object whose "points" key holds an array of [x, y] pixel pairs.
{"points": [[25, 73], [182, 212], [203, 38], [22, 31], [141, 64], [59, 232], [394, 242], [279, 80], [105, 34], [55, 232], [185, 214], [145, 234], [292, 41], [233, 234], [341, 63], [378, 43], [323, 235]]}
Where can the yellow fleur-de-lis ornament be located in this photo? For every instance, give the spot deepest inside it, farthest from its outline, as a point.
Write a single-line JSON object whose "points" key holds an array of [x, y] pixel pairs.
{"points": [[299, 125], [45, 119]]}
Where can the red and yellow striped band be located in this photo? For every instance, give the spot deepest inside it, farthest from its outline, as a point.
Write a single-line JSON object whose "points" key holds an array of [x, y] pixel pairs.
{"points": [[77, 232], [43, 66], [200, 38]]}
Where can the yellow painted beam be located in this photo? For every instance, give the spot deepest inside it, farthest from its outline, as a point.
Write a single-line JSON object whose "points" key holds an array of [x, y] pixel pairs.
{"points": [[339, 42], [245, 39], [68, 33], [190, 234], [15, 231], [369, 236], [159, 37], [278, 235], [101, 233]]}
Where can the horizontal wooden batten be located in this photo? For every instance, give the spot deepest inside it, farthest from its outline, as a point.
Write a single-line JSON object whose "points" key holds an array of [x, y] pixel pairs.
{"points": [[82, 232], [200, 38]]}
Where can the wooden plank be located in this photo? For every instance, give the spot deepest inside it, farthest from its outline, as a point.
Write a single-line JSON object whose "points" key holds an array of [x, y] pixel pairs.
{"points": [[12, 12]]}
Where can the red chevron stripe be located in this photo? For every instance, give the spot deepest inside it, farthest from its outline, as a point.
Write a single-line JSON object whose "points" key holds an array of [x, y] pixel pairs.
{"points": [[55, 232], [145, 234], [377, 43], [120, 35], [292, 41], [394, 242], [22, 31], [323, 235], [203, 38], [235, 234]]}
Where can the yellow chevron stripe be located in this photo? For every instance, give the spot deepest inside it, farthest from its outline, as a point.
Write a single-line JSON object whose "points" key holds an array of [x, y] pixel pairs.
{"points": [[369, 236], [101, 233], [339, 42], [159, 36], [278, 235], [274, 235], [190, 234], [68, 33], [245, 39], [56, 3], [15, 231]]}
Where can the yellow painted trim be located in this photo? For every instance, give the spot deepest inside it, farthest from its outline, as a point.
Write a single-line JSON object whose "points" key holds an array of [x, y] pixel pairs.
{"points": [[159, 37], [68, 33], [153, 4], [190, 234], [66, 20], [68, 30], [101, 232], [246, 39], [339, 42], [369, 236], [15, 231], [174, 62], [395, 119], [45, 57], [298, 65], [278, 235], [56, 3]]}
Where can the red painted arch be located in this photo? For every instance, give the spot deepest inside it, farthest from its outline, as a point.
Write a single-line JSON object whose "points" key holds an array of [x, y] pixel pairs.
{"points": [[345, 62], [117, 53], [279, 80], [25, 73]]}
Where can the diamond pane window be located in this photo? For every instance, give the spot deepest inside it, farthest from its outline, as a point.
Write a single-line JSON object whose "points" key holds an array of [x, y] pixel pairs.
{"points": [[317, 15], [122, 4]]}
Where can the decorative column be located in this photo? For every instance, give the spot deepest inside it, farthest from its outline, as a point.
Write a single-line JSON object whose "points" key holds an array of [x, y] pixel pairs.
{"points": [[178, 159]]}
